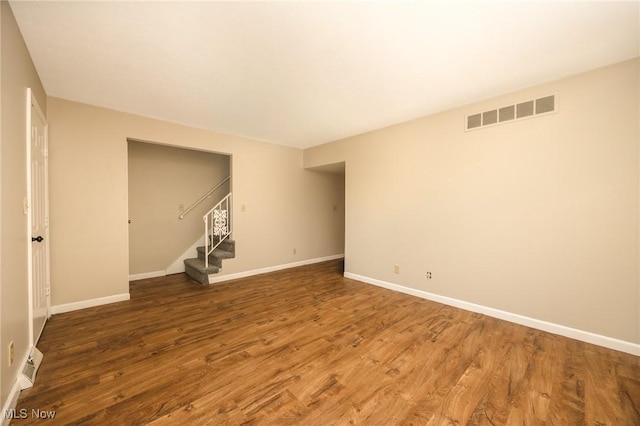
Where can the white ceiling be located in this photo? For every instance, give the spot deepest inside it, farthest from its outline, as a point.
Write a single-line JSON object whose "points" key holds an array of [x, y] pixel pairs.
{"points": [[305, 73]]}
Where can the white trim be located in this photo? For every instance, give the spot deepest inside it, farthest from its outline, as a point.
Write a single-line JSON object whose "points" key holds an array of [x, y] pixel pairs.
{"points": [[584, 336], [20, 383], [75, 306], [145, 275], [28, 211], [216, 278], [11, 403]]}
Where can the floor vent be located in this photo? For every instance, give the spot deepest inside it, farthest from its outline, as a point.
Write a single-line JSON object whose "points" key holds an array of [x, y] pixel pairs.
{"points": [[30, 369], [510, 113]]}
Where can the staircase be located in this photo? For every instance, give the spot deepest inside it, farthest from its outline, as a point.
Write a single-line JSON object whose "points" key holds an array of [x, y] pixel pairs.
{"points": [[218, 244], [200, 272]]}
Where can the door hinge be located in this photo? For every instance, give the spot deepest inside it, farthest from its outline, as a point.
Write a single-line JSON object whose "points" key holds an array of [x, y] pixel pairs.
{"points": [[46, 222], [46, 153], [48, 291]]}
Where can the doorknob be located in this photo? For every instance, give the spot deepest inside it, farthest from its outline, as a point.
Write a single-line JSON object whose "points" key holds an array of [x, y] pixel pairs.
{"points": [[38, 238]]}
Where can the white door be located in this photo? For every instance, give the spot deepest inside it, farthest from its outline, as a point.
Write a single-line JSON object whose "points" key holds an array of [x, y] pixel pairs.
{"points": [[38, 217]]}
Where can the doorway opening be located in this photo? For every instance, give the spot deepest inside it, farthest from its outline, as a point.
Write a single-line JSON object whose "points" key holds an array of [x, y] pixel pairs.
{"points": [[337, 174], [166, 203]]}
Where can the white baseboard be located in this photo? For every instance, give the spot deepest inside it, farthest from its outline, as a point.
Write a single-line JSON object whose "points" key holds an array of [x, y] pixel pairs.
{"points": [[584, 336], [19, 384], [74, 306], [145, 275], [216, 278], [11, 403]]}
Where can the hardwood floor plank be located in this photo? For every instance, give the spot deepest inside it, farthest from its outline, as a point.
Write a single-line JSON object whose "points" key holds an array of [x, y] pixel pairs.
{"points": [[307, 346], [567, 402]]}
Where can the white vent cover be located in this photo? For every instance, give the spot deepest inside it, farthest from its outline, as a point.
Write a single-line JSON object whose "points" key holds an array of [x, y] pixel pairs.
{"points": [[509, 113], [28, 376]]}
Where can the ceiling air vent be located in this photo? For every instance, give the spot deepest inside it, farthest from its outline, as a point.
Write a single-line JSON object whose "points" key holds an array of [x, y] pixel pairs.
{"points": [[508, 113]]}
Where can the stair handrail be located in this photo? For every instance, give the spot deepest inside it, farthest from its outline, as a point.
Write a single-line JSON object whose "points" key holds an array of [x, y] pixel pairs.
{"points": [[204, 197], [217, 226]]}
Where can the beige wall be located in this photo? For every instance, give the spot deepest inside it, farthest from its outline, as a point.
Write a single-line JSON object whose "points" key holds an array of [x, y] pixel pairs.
{"points": [[286, 207], [538, 217], [17, 74], [161, 178]]}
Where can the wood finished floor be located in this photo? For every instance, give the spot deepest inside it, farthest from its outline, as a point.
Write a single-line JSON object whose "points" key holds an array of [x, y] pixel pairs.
{"points": [[308, 347]]}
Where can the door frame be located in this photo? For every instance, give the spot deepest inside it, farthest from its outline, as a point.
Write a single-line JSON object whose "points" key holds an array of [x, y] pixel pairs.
{"points": [[32, 104]]}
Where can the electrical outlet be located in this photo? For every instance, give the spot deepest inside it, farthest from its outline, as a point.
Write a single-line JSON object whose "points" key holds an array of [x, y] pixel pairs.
{"points": [[428, 275], [295, 251], [396, 269], [11, 353], [181, 207], [243, 208], [335, 208]]}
